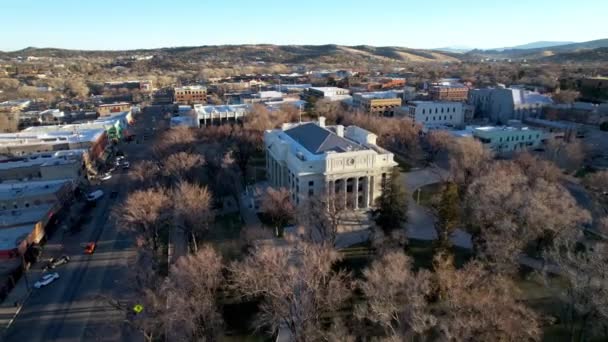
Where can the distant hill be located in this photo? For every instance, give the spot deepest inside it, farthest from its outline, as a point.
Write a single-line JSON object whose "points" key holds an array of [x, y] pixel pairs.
{"points": [[535, 45], [263, 53], [455, 49], [585, 55], [539, 53]]}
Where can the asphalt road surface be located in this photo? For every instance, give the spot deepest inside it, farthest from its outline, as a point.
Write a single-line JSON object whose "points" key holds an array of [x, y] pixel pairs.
{"points": [[70, 309]]}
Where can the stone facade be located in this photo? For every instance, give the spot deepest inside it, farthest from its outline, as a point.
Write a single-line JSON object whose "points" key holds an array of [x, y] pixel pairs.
{"points": [[311, 159]]}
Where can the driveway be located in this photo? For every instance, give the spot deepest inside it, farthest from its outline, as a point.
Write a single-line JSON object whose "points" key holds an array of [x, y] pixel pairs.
{"points": [[421, 221]]}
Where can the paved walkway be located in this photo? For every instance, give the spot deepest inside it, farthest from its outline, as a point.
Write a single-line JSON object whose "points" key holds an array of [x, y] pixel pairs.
{"points": [[421, 221]]}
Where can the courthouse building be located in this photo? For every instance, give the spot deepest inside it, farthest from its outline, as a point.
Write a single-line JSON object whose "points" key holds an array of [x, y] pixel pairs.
{"points": [[311, 159]]}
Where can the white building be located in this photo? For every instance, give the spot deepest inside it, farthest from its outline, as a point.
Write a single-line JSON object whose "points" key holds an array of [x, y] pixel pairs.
{"points": [[507, 139], [504, 104], [434, 113], [328, 93], [220, 114], [311, 159]]}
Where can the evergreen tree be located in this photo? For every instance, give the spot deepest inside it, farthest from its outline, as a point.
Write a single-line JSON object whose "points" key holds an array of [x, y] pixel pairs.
{"points": [[392, 204], [448, 213]]}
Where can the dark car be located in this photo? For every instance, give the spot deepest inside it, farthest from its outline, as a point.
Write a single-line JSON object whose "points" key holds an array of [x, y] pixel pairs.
{"points": [[54, 262]]}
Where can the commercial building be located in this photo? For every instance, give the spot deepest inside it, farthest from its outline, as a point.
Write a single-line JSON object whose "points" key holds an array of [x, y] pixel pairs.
{"points": [[501, 139], [377, 103], [311, 159], [503, 104], [53, 138], [141, 85], [449, 92], [25, 214], [113, 108], [209, 115], [17, 196], [328, 93], [262, 97], [444, 113], [43, 168], [189, 95]]}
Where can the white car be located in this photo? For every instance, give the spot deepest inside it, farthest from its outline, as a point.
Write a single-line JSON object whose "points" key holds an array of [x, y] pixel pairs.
{"points": [[46, 279], [105, 177], [95, 195]]}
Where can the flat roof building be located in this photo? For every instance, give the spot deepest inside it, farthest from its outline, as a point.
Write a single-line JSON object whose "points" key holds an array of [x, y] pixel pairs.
{"points": [[501, 139], [328, 93], [381, 103], [449, 92], [220, 114], [447, 113], [188, 95]]}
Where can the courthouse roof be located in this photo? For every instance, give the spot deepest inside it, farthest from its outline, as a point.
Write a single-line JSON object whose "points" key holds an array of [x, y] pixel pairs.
{"points": [[318, 140]]}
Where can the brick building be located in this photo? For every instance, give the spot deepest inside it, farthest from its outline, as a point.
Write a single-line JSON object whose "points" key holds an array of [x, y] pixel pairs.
{"points": [[190, 95], [449, 92]]}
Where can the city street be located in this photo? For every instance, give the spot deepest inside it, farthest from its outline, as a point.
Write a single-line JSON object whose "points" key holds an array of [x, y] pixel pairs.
{"points": [[70, 308]]}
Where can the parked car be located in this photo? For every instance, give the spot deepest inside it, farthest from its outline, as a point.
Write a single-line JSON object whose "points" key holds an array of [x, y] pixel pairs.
{"points": [[126, 165], [105, 177], [54, 262], [46, 279], [95, 195], [89, 248]]}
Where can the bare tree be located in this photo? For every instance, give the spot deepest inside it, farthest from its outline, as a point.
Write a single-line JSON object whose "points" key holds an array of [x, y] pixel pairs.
{"points": [[510, 210], [192, 209], [477, 305], [566, 96], [396, 298], [585, 297], [77, 87], [145, 173], [145, 212], [279, 208], [298, 285], [468, 158], [178, 139], [535, 167], [437, 141], [244, 146], [322, 216], [566, 155], [183, 166], [191, 291]]}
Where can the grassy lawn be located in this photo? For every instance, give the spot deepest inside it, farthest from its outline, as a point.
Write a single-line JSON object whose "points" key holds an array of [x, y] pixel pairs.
{"points": [[225, 235], [427, 194]]}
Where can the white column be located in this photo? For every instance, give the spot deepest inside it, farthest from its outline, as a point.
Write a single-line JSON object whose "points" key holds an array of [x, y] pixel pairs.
{"points": [[356, 193], [366, 192], [345, 193]]}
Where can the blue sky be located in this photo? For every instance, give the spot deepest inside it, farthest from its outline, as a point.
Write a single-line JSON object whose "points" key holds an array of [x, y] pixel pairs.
{"points": [[130, 24]]}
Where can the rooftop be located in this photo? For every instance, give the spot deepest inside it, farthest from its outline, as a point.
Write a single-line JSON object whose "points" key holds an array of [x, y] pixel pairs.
{"points": [[318, 140], [500, 128], [35, 188], [48, 161], [202, 110], [114, 104], [11, 238], [378, 95], [20, 217], [191, 87], [328, 89]]}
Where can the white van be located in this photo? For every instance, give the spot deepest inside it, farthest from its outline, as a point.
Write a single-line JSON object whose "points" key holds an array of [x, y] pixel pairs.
{"points": [[94, 196]]}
